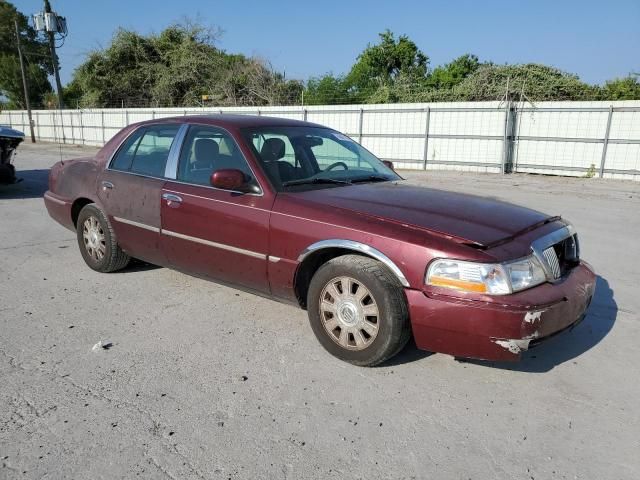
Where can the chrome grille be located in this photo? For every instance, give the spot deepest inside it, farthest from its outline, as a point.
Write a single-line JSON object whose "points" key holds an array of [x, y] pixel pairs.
{"points": [[558, 251], [552, 260]]}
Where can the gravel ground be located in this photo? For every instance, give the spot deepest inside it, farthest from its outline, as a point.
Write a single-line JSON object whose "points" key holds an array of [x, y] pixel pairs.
{"points": [[203, 381]]}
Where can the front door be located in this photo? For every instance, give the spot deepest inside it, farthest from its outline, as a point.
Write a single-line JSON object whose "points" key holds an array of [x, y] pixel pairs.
{"points": [[130, 190], [219, 234]]}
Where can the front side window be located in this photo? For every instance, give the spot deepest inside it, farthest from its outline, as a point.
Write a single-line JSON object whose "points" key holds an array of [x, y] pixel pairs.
{"points": [[146, 151], [301, 157], [208, 149]]}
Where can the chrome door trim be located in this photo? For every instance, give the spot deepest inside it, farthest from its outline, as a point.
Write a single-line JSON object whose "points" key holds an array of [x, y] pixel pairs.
{"points": [[357, 247], [137, 224], [171, 167], [211, 187], [209, 243]]}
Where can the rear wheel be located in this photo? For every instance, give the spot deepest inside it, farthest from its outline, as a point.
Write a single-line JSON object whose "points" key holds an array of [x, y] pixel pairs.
{"points": [[97, 241], [358, 311]]}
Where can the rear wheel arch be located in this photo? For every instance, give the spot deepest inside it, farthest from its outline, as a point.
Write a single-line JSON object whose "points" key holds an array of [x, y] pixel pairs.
{"points": [[317, 254], [77, 206]]}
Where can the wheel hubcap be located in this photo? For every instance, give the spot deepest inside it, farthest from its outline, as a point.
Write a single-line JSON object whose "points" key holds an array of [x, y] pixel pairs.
{"points": [[93, 236], [349, 313]]}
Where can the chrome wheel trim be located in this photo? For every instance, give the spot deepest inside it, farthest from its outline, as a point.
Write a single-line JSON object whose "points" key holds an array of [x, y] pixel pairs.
{"points": [[349, 313], [94, 239]]}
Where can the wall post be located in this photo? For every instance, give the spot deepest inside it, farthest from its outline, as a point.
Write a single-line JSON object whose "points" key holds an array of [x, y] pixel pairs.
{"points": [[606, 142], [82, 129], [425, 154], [102, 116]]}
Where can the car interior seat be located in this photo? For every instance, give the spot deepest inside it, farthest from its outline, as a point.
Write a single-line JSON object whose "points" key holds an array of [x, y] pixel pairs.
{"points": [[203, 161]]}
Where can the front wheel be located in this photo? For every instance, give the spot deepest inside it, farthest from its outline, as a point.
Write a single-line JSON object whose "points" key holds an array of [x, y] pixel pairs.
{"points": [[97, 241], [357, 310]]}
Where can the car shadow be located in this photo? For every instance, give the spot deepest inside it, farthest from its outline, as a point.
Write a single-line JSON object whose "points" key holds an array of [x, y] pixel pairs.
{"points": [[568, 345], [31, 184], [136, 265], [410, 353]]}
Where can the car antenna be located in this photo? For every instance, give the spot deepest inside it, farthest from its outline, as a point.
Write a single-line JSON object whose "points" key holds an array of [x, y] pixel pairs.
{"points": [[55, 134]]}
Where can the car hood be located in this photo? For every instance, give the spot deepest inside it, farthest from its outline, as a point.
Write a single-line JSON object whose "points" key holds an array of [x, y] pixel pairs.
{"points": [[477, 220]]}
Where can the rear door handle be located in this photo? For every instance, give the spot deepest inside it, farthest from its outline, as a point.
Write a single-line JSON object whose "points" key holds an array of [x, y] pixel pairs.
{"points": [[171, 198], [107, 186]]}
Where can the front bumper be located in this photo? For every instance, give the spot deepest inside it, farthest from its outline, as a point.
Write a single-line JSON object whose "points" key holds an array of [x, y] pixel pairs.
{"points": [[505, 327]]}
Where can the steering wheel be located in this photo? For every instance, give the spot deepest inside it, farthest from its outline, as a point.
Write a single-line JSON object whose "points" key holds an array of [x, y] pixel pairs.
{"points": [[336, 164]]}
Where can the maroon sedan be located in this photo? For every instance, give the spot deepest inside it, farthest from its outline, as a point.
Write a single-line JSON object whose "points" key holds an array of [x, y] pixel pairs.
{"points": [[301, 213]]}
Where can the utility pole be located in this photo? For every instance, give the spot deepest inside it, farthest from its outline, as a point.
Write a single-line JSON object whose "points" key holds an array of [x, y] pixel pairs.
{"points": [[24, 84], [54, 58]]}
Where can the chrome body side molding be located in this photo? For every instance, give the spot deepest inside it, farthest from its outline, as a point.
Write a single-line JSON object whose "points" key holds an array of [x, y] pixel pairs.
{"points": [[137, 224], [209, 243]]}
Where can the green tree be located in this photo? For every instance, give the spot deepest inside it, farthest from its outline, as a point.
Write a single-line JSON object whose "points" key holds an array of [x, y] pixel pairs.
{"points": [[35, 53], [327, 90], [531, 81], [382, 64], [176, 68], [451, 74], [627, 88]]}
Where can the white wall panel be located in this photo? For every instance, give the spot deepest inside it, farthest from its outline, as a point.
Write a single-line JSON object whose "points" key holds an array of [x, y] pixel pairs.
{"points": [[382, 128]]}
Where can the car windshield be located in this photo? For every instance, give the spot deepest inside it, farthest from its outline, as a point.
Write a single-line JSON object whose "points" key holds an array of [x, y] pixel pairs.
{"points": [[302, 158]]}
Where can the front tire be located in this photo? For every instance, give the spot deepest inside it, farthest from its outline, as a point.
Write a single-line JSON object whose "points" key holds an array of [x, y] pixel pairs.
{"points": [[358, 311], [97, 241]]}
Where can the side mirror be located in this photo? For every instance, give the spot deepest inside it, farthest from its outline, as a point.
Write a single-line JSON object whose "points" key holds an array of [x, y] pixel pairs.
{"points": [[228, 179], [388, 164]]}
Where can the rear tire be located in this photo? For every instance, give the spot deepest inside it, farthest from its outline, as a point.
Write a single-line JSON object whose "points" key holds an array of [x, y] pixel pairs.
{"points": [[358, 311], [97, 241]]}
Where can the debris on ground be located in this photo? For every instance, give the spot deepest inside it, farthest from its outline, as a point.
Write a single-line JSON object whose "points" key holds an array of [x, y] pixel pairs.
{"points": [[102, 344]]}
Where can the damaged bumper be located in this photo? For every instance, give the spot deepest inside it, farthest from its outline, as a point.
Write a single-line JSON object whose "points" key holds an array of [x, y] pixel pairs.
{"points": [[505, 327]]}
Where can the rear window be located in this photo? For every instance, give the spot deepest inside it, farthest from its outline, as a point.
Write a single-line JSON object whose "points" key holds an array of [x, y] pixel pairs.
{"points": [[146, 151]]}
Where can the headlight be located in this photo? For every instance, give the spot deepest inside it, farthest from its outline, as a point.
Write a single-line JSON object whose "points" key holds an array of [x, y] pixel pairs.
{"points": [[490, 278], [525, 273]]}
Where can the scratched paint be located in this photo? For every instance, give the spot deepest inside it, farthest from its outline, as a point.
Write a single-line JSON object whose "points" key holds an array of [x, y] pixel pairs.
{"points": [[532, 317], [517, 345]]}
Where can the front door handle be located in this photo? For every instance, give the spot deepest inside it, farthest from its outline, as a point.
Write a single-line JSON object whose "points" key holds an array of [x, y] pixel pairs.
{"points": [[107, 186], [171, 198]]}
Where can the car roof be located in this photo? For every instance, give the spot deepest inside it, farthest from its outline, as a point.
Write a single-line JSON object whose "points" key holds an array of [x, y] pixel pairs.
{"points": [[236, 121]]}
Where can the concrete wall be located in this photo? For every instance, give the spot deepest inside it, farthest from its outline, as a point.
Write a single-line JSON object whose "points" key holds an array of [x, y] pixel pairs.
{"points": [[564, 138]]}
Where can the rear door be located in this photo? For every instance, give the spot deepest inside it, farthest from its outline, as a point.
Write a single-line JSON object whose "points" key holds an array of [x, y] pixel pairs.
{"points": [[130, 189], [219, 234]]}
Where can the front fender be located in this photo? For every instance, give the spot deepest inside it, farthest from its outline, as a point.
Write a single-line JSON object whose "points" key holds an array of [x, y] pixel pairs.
{"points": [[356, 247]]}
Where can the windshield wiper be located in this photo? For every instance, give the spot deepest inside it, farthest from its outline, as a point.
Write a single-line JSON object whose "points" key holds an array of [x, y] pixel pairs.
{"points": [[317, 180], [370, 178]]}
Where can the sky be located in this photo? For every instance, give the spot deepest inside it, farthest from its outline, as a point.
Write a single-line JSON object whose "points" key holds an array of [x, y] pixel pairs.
{"points": [[597, 40]]}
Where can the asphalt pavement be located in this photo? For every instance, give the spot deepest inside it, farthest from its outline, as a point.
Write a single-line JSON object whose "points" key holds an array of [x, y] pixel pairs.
{"points": [[205, 382]]}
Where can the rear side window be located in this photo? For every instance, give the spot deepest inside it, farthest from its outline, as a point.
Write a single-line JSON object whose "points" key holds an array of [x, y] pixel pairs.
{"points": [[124, 157], [146, 151]]}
